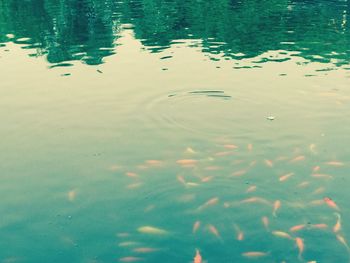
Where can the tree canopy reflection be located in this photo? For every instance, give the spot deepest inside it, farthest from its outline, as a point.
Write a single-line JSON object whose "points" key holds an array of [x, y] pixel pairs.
{"points": [[87, 30]]}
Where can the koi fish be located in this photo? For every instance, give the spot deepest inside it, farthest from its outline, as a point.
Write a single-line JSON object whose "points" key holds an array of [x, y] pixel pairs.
{"points": [[145, 250], [316, 169], [337, 225], [240, 234], [130, 259], [131, 174], [152, 230], [335, 163], [210, 202], [303, 184], [331, 203], [318, 191], [325, 176], [230, 146], [319, 226], [265, 222], [297, 228], [312, 148], [342, 240], [197, 258], [214, 231], [255, 200], [207, 179], [269, 163], [154, 162], [254, 254], [300, 245], [298, 159], [190, 150], [276, 206], [196, 226], [252, 163], [251, 189], [239, 173], [285, 177], [281, 234], [186, 162], [71, 195], [181, 179], [250, 147]]}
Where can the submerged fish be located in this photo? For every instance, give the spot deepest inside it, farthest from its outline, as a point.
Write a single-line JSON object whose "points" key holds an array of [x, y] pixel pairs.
{"points": [[154, 162], [255, 200], [254, 254], [152, 230], [265, 222], [145, 249], [331, 203], [337, 226], [316, 169], [285, 177], [276, 206], [186, 162], [196, 226], [71, 195], [300, 245], [212, 229], [335, 163], [230, 146], [197, 258], [342, 240], [297, 228], [281, 234], [240, 234], [130, 259], [298, 159], [250, 147], [210, 202], [319, 226], [269, 163], [239, 173], [251, 189]]}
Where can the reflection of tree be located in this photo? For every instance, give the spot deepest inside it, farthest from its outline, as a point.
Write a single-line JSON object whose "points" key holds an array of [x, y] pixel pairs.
{"points": [[86, 29]]}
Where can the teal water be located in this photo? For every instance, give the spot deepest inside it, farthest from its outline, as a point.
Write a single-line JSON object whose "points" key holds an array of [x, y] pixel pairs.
{"points": [[195, 118]]}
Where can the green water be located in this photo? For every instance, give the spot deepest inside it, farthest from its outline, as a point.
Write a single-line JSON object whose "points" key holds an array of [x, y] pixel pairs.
{"points": [[245, 92]]}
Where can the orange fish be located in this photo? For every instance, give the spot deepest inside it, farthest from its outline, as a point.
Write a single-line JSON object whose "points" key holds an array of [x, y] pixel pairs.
{"points": [[319, 226], [130, 259], [210, 202], [269, 163], [265, 222], [342, 240], [197, 257], [239, 173], [251, 189], [230, 146], [335, 163], [214, 231], [316, 169], [186, 162], [145, 249], [298, 159], [207, 179], [331, 203], [181, 179], [250, 147], [325, 176], [318, 191], [300, 245], [154, 162], [285, 177], [255, 200], [303, 184], [281, 234], [337, 226], [196, 226], [131, 174], [297, 228], [240, 234], [254, 254], [252, 163], [276, 206]]}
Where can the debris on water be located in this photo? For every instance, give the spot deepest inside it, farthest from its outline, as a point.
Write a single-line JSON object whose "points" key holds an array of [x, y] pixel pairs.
{"points": [[270, 118], [99, 71]]}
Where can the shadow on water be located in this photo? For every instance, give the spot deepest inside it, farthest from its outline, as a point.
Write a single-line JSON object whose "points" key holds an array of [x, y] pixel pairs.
{"points": [[87, 30]]}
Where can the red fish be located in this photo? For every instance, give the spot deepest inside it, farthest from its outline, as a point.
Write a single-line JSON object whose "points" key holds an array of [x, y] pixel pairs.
{"points": [[297, 228]]}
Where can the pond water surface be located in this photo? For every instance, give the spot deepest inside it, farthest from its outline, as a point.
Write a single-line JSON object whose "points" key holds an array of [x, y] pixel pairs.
{"points": [[149, 131]]}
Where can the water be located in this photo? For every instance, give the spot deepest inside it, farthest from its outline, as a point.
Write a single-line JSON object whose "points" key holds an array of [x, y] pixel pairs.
{"points": [[104, 102]]}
